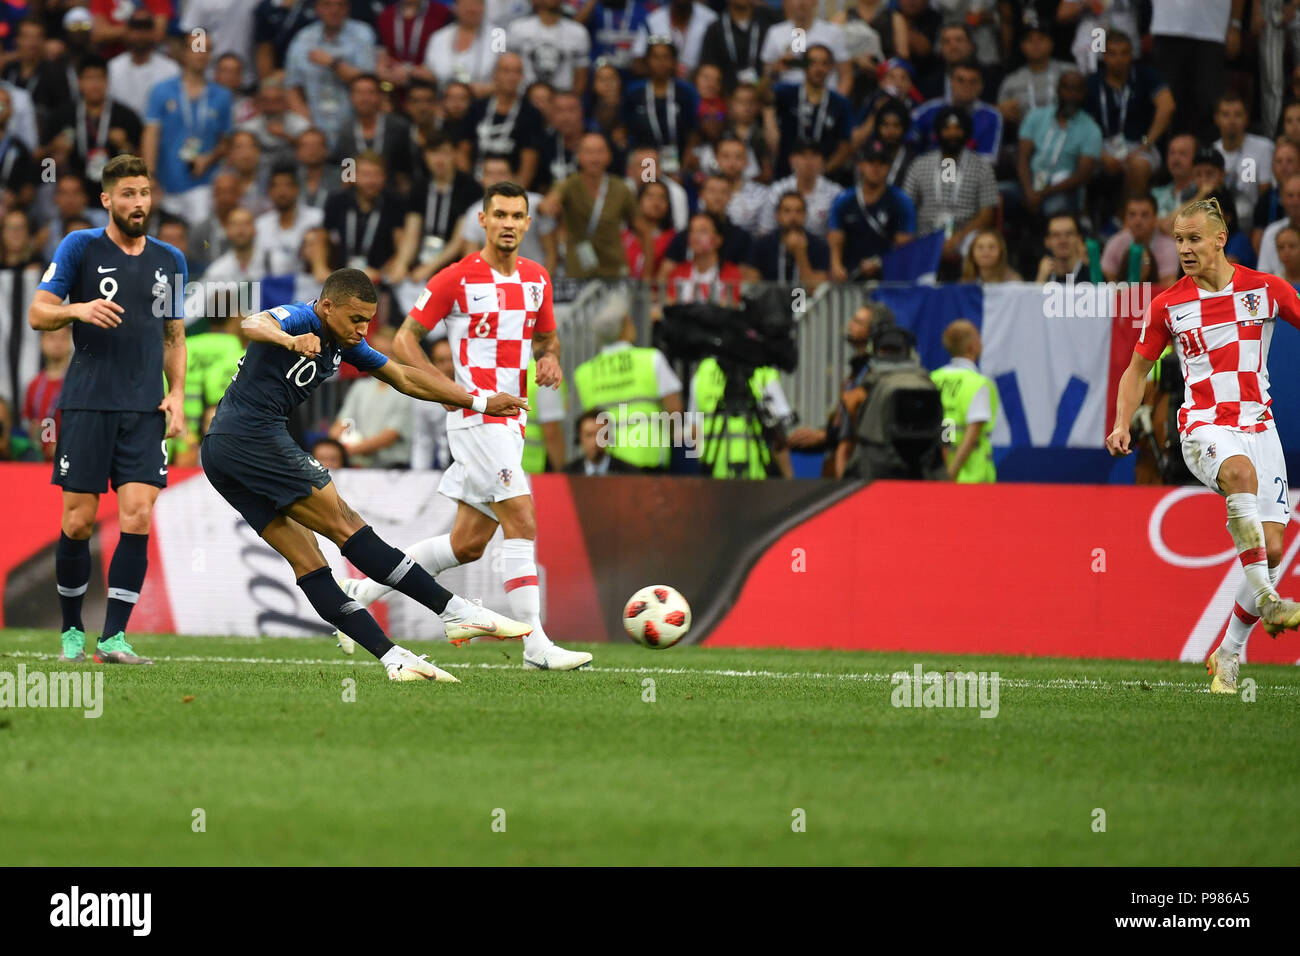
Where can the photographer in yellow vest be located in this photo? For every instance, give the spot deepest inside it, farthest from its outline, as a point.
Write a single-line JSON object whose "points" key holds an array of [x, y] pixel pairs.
{"points": [[970, 406], [633, 387]]}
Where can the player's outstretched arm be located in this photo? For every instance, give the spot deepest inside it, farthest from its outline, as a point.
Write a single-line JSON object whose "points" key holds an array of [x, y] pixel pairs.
{"points": [[436, 387], [1132, 386], [264, 327], [48, 312]]}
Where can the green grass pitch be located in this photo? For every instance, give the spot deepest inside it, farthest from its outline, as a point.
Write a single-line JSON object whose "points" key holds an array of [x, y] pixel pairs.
{"points": [[581, 769]]}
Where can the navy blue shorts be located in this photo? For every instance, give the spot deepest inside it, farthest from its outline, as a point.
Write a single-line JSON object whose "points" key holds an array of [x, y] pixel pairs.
{"points": [[260, 475], [94, 449]]}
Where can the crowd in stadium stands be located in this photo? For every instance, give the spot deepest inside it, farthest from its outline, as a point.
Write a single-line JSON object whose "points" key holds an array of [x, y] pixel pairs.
{"points": [[699, 145]]}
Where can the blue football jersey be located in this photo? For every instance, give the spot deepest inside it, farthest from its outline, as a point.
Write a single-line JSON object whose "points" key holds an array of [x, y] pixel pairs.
{"points": [[119, 369], [271, 380]]}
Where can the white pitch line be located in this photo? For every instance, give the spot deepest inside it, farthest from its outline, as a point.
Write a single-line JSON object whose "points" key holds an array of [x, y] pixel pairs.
{"points": [[1055, 683]]}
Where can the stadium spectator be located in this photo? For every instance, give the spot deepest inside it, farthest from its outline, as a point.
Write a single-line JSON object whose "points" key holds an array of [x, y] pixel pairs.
{"points": [[954, 46], [680, 23], [707, 276], [1133, 107], [541, 95], [185, 126], [365, 223], [375, 422], [594, 208], [109, 29], [748, 198], [323, 58], [461, 51], [275, 24], [469, 236], [555, 49], [789, 254], [595, 459], [1138, 252], [41, 401], [614, 31], [811, 112], [1289, 128], [429, 447], [1085, 21], [280, 231], [714, 197], [558, 158], [1034, 84], [228, 72], [1268, 208], [331, 454], [139, 68], [19, 175], [868, 221], [43, 79], [889, 124], [807, 179], [1191, 44], [405, 29], [319, 179], [632, 385], [1268, 254], [506, 123], [868, 49], [966, 83], [970, 406], [1067, 258], [19, 251], [603, 107], [1288, 254], [208, 238], [643, 167], [244, 159], [70, 202], [244, 260], [1247, 158], [960, 202], [986, 259], [1211, 182], [441, 196], [782, 57], [373, 130], [647, 239], [1180, 160], [82, 136], [733, 43], [745, 122], [176, 233], [661, 110], [921, 23], [422, 111], [276, 127], [1060, 147]]}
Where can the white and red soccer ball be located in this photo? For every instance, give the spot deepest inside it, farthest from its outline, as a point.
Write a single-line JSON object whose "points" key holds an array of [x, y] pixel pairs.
{"points": [[657, 616]]}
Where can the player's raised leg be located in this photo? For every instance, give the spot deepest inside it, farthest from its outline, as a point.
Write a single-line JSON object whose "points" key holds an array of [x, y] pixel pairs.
{"points": [[299, 548], [72, 570], [519, 525], [324, 512], [1239, 482]]}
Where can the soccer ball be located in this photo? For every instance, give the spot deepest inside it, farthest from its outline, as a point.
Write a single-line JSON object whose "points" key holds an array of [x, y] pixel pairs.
{"points": [[657, 616]]}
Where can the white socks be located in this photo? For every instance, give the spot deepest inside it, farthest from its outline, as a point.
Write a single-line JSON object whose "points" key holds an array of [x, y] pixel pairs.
{"points": [[1245, 612], [432, 554], [1248, 535], [517, 558]]}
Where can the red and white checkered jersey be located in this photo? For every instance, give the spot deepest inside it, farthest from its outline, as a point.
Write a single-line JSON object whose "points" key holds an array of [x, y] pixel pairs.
{"points": [[1221, 339], [490, 323]]}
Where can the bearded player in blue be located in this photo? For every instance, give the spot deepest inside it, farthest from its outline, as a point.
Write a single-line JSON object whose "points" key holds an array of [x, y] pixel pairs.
{"points": [[285, 495]]}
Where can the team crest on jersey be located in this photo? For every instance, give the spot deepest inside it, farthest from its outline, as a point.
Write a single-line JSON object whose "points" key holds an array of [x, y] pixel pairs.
{"points": [[504, 475], [1252, 303], [1209, 452], [159, 284], [63, 466], [535, 297]]}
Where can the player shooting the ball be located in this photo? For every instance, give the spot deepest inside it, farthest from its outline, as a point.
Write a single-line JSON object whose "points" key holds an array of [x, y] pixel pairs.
{"points": [[285, 495], [1220, 318]]}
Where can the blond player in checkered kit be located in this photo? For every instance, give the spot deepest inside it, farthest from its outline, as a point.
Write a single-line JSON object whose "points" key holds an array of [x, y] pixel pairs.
{"points": [[498, 311], [1220, 317]]}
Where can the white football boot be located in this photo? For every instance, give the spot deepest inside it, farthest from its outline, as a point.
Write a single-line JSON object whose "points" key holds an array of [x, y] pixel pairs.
{"points": [[1225, 668], [473, 620], [556, 658], [401, 664]]}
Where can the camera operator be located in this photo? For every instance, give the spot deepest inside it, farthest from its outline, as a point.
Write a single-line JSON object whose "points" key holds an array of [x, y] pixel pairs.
{"points": [[740, 445], [893, 426]]}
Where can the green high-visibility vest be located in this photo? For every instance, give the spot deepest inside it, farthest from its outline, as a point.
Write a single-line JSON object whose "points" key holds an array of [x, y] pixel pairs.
{"points": [[622, 383], [534, 442], [202, 353], [741, 452], [957, 388]]}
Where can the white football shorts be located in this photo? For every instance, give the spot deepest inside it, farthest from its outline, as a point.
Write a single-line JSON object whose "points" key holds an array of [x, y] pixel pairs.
{"points": [[1209, 446], [487, 465]]}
